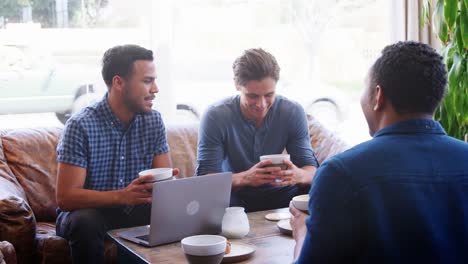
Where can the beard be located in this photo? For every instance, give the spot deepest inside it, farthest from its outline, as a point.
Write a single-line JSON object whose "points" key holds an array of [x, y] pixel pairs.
{"points": [[131, 102]]}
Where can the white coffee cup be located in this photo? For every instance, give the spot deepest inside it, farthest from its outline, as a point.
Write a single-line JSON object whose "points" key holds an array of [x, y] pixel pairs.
{"points": [[301, 202], [204, 248], [276, 161], [275, 158], [159, 174]]}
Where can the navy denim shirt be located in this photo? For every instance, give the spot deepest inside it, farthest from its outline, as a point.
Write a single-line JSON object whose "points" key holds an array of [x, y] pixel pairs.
{"points": [[401, 197]]}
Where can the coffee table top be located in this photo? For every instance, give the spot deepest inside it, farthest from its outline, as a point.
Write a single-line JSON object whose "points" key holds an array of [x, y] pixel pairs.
{"points": [[271, 245]]}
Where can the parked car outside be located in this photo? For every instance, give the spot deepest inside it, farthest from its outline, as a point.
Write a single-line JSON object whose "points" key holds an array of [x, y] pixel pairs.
{"points": [[326, 103], [32, 82]]}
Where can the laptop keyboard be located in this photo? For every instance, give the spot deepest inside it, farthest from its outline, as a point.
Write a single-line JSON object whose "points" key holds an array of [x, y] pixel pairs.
{"points": [[143, 237]]}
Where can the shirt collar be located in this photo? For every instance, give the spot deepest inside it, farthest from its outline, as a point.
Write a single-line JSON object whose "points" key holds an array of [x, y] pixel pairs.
{"points": [[420, 125], [109, 116], [266, 121]]}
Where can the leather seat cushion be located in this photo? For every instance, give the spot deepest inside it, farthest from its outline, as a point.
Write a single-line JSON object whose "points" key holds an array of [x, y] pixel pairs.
{"points": [[7, 253], [52, 249]]}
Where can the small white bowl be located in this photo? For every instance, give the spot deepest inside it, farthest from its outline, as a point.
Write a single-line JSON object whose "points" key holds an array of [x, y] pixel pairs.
{"points": [[203, 245], [275, 158], [301, 202], [159, 174]]}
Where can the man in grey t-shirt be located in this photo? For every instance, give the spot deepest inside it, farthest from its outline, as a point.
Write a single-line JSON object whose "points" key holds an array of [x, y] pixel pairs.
{"points": [[235, 132]]}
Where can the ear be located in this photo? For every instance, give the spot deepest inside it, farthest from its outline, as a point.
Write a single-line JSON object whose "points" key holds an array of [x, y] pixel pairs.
{"points": [[118, 83], [379, 98], [238, 87]]}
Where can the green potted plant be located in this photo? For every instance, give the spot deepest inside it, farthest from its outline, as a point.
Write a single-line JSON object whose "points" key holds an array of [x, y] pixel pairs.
{"points": [[450, 23]]}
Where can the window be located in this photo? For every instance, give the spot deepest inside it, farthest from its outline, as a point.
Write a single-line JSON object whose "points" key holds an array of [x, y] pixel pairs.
{"points": [[324, 49]]}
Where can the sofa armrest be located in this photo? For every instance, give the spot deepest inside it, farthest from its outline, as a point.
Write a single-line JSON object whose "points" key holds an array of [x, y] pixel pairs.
{"points": [[324, 142], [17, 222], [7, 253], [182, 139]]}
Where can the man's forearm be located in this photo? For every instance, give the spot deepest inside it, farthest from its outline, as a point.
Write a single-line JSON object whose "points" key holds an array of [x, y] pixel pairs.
{"points": [[238, 180], [78, 198], [308, 174], [298, 248]]}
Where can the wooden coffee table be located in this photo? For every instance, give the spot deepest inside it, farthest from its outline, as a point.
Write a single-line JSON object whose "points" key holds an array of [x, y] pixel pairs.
{"points": [[271, 245]]}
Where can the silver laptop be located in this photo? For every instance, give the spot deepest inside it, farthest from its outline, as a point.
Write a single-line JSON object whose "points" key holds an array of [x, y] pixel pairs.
{"points": [[184, 207]]}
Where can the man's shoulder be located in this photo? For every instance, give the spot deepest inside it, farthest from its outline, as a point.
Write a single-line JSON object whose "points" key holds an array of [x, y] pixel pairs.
{"points": [[357, 155], [454, 143], [154, 115], [87, 116], [152, 120], [287, 105], [223, 108]]}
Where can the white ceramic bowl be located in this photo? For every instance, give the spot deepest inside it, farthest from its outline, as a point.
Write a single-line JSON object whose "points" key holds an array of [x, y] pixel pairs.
{"points": [[204, 245], [275, 158], [159, 174], [301, 202]]}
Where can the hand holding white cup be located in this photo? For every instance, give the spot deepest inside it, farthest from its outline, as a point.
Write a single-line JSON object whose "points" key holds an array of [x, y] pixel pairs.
{"points": [[276, 161], [159, 174], [301, 202]]}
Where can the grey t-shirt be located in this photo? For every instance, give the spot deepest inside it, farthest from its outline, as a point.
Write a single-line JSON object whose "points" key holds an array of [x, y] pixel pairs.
{"points": [[230, 142]]}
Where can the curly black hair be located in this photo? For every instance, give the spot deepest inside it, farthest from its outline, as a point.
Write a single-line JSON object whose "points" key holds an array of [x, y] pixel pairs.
{"points": [[119, 61], [412, 76]]}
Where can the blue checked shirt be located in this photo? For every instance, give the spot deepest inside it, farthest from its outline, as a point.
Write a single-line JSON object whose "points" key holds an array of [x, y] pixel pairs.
{"points": [[112, 155]]}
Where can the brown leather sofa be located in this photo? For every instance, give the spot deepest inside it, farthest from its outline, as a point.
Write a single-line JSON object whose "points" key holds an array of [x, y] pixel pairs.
{"points": [[27, 187], [7, 253]]}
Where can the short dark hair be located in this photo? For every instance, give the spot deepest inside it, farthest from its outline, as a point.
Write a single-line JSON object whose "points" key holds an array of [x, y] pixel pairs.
{"points": [[412, 76], [255, 64], [119, 61]]}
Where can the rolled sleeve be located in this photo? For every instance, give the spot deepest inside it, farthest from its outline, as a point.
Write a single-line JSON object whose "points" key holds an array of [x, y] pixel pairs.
{"points": [[72, 148], [210, 146], [298, 145]]}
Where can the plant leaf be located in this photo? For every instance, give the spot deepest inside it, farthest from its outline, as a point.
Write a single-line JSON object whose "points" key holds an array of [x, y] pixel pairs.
{"points": [[458, 36], [425, 13], [438, 22], [454, 73], [450, 12], [464, 22]]}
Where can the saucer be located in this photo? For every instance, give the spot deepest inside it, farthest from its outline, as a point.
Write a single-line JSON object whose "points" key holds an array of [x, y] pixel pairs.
{"points": [[277, 216], [285, 227], [239, 252]]}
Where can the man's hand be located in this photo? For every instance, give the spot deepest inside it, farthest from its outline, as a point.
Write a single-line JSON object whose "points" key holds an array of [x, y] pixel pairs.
{"points": [[137, 192], [293, 175], [299, 228], [297, 222], [257, 175]]}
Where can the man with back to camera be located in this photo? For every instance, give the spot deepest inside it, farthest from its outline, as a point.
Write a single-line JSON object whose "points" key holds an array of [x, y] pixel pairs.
{"points": [[401, 197], [236, 131], [101, 151]]}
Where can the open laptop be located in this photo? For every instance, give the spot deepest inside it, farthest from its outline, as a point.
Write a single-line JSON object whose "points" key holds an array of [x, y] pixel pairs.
{"points": [[184, 207]]}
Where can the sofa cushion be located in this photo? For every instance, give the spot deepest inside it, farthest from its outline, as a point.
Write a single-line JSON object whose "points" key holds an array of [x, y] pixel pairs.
{"points": [[324, 142], [52, 249], [183, 142], [7, 253], [18, 226], [11, 185], [31, 155]]}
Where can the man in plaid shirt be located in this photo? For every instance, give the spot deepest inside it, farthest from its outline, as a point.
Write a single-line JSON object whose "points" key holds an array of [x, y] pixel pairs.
{"points": [[103, 148]]}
